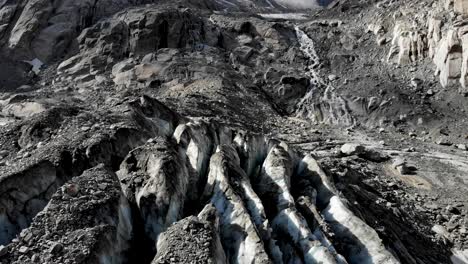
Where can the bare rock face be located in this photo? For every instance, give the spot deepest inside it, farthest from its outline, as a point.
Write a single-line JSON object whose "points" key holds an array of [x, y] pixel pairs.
{"points": [[46, 29], [88, 220], [123, 35], [438, 37], [448, 58]]}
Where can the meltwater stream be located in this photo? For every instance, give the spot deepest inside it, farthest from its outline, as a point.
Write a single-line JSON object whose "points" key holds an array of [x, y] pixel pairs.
{"points": [[321, 104]]}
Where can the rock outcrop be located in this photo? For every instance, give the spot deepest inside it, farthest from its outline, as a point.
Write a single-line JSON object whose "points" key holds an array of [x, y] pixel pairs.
{"points": [[433, 34]]}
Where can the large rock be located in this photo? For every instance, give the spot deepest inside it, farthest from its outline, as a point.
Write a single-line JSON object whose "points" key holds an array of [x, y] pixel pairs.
{"points": [[434, 34], [349, 149]]}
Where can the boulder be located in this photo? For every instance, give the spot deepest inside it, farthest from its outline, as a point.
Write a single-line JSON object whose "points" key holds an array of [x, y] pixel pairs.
{"points": [[462, 147], [401, 166], [444, 142], [352, 149]]}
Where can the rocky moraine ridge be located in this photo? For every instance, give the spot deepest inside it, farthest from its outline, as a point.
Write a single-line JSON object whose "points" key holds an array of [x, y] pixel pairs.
{"points": [[233, 131]]}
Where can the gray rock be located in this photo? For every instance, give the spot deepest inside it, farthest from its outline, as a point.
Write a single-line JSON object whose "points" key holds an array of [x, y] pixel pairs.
{"points": [[23, 250], [462, 147], [35, 258], [55, 248], [242, 54], [401, 166], [352, 149], [398, 162], [444, 142], [71, 189]]}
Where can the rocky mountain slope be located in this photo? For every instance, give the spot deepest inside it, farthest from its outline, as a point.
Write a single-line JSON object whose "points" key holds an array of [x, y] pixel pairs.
{"points": [[233, 131]]}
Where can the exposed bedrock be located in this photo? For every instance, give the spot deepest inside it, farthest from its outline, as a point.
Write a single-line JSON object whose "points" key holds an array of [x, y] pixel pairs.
{"points": [[138, 31], [88, 220], [46, 29]]}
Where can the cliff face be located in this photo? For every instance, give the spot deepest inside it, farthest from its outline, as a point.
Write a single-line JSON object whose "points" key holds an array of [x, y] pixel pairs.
{"points": [[233, 131], [440, 37]]}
